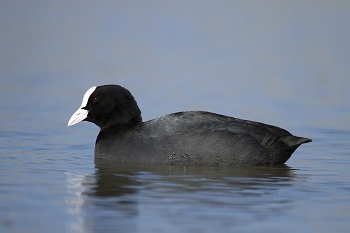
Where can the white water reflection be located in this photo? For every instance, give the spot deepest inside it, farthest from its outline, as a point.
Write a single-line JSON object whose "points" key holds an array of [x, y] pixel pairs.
{"points": [[74, 202]]}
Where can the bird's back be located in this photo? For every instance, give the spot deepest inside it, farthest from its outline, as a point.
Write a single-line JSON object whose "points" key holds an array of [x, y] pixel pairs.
{"points": [[199, 138]]}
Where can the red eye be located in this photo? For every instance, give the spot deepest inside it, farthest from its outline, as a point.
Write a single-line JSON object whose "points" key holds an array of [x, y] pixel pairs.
{"points": [[94, 100]]}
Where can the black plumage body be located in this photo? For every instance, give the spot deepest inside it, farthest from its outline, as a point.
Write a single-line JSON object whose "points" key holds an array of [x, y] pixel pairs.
{"points": [[194, 138], [197, 139]]}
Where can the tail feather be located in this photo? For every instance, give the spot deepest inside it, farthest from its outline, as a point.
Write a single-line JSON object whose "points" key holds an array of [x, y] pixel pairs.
{"points": [[292, 141]]}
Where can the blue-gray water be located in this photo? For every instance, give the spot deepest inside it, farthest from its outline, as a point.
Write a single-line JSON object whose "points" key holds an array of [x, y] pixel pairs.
{"points": [[280, 62]]}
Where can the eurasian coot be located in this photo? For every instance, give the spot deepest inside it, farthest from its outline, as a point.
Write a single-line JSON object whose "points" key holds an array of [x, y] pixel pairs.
{"points": [[195, 138]]}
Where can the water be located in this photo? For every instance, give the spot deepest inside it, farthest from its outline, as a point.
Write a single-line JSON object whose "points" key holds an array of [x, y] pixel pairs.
{"points": [[228, 58], [60, 188]]}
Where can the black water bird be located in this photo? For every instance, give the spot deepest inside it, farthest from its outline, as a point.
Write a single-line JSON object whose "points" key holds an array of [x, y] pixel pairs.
{"points": [[194, 138]]}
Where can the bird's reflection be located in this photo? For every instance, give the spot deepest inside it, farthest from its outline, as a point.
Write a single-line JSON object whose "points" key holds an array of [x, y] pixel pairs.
{"points": [[115, 193], [118, 180], [111, 181]]}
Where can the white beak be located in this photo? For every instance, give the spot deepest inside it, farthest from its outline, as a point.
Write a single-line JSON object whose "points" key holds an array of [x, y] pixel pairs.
{"points": [[81, 113], [78, 116]]}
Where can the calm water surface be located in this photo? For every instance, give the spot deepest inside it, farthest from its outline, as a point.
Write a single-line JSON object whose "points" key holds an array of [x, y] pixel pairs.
{"points": [[279, 62], [49, 181]]}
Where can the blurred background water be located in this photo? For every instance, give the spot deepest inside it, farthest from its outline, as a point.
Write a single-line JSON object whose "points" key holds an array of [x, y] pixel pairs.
{"points": [[284, 63]]}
